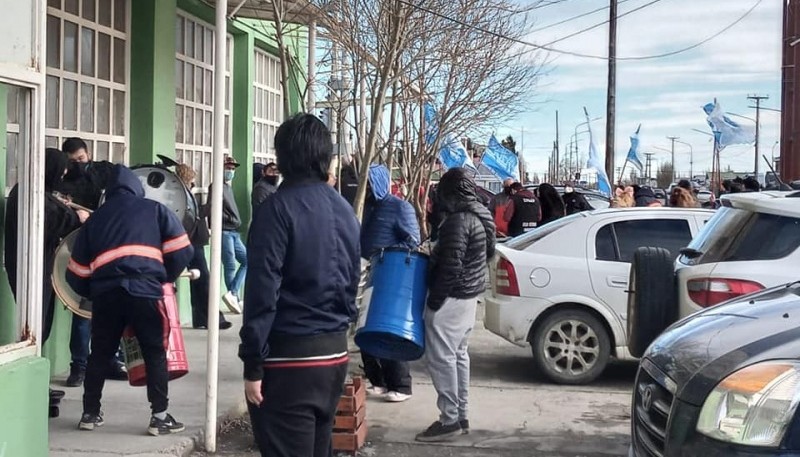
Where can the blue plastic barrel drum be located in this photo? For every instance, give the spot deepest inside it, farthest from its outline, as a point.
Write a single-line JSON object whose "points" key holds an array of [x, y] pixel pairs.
{"points": [[394, 327]]}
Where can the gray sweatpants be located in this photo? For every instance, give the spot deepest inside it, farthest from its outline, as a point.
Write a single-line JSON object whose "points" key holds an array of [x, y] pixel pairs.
{"points": [[446, 340]]}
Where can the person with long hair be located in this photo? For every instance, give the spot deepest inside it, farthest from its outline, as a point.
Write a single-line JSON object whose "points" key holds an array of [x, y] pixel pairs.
{"points": [[551, 203], [682, 198]]}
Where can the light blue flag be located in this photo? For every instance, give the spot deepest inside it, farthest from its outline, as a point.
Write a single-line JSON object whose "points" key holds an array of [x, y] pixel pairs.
{"points": [[502, 162], [431, 124], [595, 162], [633, 152], [453, 154], [727, 131]]}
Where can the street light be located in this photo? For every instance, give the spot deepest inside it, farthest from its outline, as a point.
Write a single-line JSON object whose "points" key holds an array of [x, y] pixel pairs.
{"points": [[691, 158], [576, 142]]}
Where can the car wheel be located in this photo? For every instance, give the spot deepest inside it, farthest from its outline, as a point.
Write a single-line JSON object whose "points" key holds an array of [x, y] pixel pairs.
{"points": [[652, 304], [571, 347]]}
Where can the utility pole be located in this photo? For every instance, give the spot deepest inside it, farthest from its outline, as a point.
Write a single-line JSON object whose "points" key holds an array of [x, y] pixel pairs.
{"points": [[556, 145], [672, 151], [520, 157], [757, 99], [648, 166], [612, 90]]}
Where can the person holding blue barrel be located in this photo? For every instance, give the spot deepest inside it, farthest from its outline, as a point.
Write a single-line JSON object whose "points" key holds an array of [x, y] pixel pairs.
{"points": [[456, 279], [388, 223]]}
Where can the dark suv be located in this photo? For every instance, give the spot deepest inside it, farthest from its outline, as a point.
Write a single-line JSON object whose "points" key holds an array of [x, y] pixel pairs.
{"points": [[723, 382]]}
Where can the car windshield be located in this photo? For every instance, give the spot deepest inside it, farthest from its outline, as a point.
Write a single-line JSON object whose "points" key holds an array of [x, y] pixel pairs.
{"points": [[736, 235], [524, 241]]}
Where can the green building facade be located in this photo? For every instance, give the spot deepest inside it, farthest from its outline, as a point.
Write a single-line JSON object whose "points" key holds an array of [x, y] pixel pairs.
{"points": [[134, 79]]}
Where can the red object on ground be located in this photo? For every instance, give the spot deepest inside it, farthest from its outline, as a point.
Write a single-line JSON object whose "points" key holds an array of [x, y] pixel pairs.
{"points": [[177, 363]]}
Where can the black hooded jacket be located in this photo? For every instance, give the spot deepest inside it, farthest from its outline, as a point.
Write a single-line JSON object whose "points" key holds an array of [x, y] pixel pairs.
{"points": [[466, 241], [85, 182], [59, 221]]}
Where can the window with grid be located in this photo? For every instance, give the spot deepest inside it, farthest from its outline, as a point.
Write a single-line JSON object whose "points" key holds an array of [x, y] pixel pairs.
{"points": [[87, 75], [194, 93], [268, 106]]}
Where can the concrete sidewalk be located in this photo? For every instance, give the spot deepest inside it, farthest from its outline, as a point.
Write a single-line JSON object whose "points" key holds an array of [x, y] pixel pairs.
{"points": [[127, 411]]}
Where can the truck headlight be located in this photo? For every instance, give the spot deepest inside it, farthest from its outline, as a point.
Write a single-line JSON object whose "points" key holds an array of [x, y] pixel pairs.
{"points": [[753, 406]]}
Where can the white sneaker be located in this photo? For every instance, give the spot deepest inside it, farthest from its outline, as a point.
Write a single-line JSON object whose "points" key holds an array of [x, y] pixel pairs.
{"points": [[376, 391], [396, 397], [232, 302]]}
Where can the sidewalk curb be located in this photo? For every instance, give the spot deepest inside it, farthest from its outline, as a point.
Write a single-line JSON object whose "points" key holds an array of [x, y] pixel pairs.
{"points": [[195, 442]]}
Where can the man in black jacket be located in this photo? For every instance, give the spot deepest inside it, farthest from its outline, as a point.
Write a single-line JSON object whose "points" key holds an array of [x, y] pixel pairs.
{"points": [[523, 211], [233, 249], [265, 186], [456, 279], [300, 294]]}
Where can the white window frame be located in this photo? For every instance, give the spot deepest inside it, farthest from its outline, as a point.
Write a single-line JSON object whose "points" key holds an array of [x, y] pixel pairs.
{"points": [[30, 76], [267, 105], [197, 152], [55, 136]]}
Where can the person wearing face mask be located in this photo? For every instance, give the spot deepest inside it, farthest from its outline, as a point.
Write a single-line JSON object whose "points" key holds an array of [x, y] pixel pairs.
{"points": [[575, 202], [233, 250], [199, 238], [84, 184], [265, 186], [59, 221]]}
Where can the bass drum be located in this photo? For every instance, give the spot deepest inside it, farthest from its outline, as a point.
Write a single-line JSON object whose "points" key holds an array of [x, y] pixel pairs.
{"points": [[76, 303], [166, 188]]}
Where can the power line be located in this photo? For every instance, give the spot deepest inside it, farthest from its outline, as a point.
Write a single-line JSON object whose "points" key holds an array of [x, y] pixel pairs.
{"points": [[653, 2], [589, 13], [578, 54]]}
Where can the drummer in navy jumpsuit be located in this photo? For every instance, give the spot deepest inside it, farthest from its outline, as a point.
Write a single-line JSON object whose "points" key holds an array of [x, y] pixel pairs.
{"points": [[389, 222], [121, 257], [300, 292]]}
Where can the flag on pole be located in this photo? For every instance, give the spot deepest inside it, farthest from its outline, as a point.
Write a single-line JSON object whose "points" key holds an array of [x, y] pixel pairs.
{"points": [[727, 131], [431, 124], [453, 153], [633, 152], [502, 162], [595, 162]]}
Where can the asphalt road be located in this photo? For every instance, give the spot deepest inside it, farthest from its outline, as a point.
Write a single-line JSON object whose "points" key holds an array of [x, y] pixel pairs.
{"points": [[514, 412]]}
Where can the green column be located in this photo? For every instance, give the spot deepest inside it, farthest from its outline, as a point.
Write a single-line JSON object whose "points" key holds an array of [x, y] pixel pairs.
{"points": [[242, 121], [152, 80]]}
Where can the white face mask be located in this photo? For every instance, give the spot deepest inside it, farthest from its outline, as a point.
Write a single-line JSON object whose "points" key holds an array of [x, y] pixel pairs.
{"points": [[568, 190]]}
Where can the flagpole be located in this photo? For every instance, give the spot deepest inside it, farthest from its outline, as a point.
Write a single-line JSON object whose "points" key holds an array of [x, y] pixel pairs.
{"points": [[622, 173]]}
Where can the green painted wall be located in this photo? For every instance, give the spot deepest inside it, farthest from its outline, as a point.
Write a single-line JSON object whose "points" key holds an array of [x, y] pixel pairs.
{"points": [[24, 389]]}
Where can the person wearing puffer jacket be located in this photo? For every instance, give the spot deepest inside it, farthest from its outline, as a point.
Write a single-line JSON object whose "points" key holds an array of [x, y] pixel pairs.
{"points": [[389, 222], [456, 279]]}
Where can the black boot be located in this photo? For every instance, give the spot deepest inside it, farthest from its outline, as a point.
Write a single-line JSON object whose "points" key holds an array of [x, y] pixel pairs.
{"points": [[76, 376]]}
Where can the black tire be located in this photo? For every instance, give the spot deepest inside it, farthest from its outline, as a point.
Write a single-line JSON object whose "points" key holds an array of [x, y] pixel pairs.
{"points": [[559, 364], [652, 298]]}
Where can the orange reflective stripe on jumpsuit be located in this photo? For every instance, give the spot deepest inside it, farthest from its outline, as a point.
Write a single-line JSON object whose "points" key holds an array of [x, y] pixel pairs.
{"points": [[176, 244]]}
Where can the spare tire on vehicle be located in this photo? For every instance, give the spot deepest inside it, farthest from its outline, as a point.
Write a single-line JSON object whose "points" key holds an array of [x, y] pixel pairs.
{"points": [[652, 297]]}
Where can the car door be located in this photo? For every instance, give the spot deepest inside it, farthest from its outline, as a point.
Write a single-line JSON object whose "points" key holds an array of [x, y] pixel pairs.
{"points": [[612, 245]]}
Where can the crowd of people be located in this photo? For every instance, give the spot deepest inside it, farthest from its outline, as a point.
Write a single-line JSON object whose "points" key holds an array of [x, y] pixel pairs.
{"points": [[295, 278]]}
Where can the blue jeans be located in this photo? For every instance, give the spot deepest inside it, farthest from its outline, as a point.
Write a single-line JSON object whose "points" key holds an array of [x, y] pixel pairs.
{"points": [[79, 342], [233, 251]]}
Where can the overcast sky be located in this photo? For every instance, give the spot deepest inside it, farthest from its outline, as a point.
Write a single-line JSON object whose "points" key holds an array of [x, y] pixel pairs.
{"points": [[665, 95]]}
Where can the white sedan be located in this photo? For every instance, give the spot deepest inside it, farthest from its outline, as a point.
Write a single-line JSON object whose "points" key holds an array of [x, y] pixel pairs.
{"points": [[562, 288]]}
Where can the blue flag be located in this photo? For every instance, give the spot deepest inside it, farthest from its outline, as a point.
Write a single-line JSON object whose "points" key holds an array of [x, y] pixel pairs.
{"points": [[726, 131], [633, 152], [596, 163], [502, 162], [453, 154], [431, 124]]}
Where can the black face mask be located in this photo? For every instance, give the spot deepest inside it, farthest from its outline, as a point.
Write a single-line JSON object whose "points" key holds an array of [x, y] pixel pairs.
{"points": [[273, 180], [76, 170]]}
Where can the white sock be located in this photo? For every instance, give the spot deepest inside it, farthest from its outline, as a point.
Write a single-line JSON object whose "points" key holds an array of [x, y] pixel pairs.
{"points": [[160, 416]]}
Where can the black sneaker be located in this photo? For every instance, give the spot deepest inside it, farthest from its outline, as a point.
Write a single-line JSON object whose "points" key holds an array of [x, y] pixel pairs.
{"points": [[439, 432], [225, 325], [164, 427], [90, 421], [76, 376], [117, 372], [464, 423]]}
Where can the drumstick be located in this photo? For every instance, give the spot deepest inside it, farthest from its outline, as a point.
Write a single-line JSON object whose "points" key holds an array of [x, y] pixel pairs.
{"points": [[191, 274], [79, 207]]}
